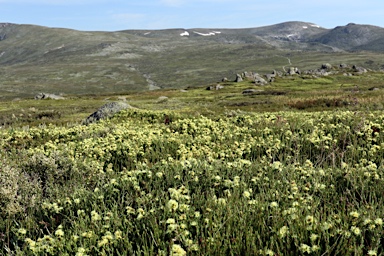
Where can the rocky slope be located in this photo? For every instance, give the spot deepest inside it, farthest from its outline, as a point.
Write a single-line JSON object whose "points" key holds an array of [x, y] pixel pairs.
{"points": [[37, 59]]}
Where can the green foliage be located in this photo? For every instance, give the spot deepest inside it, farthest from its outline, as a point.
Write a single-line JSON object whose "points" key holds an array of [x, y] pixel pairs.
{"points": [[241, 184]]}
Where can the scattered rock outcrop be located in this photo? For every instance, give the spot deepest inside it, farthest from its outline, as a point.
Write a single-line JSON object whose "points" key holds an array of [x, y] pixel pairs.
{"points": [[162, 99], [43, 96], [326, 66], [106, 111], [325, 69], [293, 71], [359, 70], [342, 65], [258, 80], [216, 87], [238, 78], [255, 77]]}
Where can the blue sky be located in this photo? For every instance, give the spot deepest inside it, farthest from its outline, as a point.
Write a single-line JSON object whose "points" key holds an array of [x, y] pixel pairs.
{"points": [[113, 15]]}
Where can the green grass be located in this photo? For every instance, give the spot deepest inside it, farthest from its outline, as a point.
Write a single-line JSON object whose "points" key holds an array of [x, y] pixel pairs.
{"points": [[285, 93], [294, 169]]}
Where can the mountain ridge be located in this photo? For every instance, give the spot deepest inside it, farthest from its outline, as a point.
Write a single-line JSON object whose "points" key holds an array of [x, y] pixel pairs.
{"points": [[59, 60]]}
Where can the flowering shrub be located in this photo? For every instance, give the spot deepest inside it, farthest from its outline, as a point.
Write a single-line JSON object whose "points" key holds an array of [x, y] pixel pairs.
{"points": [[249, 184]]}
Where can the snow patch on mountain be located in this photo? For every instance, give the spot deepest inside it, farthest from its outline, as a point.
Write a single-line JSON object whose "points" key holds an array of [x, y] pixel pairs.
{"points": [[213, 33], [315, 26]]}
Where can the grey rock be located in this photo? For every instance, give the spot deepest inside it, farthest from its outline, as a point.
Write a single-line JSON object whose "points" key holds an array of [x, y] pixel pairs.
{"points": [[359, 70], [43, 96], [248, 75], [162, 99], [238, 78], [216, 87], [277, 73], [259, 80], [219, 87], [106, 111], [326, 66], [317, 72], [270, 77], [293, 71]]}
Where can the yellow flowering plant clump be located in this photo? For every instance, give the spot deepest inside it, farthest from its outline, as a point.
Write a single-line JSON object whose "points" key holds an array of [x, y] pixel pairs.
{"points": [[251, 183]]}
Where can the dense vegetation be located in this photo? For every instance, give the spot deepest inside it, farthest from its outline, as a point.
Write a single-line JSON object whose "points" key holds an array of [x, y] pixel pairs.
{"points": [[293, 169]]}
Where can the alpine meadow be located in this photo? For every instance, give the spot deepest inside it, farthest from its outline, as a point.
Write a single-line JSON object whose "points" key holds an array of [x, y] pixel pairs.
{"points": [[259, 141]]}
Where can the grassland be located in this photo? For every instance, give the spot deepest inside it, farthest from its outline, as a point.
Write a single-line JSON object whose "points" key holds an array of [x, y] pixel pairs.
{"points": [[295, 168]]}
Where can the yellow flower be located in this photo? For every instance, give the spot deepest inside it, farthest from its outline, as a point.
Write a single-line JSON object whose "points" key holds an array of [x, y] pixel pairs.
{"points": [[177, 250], [379, 221], [283, 231], [170, 221], [30, 242], [172, 205], [221, 201], [309, 219], [313, 237], [305, 248], [326, 226], [95, 216], [88, 234], [22, 231], [274, 205], [118, 234], [372, 252], [102, 242], [130, 210], [354, 214], [356, 230], [246, 194], [59, 232], [80, 251], [172, 227], [315, 248]]}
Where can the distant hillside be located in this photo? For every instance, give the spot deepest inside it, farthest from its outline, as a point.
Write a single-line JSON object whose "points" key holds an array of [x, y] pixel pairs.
{"points": [[37, 59], [353, 37]]}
